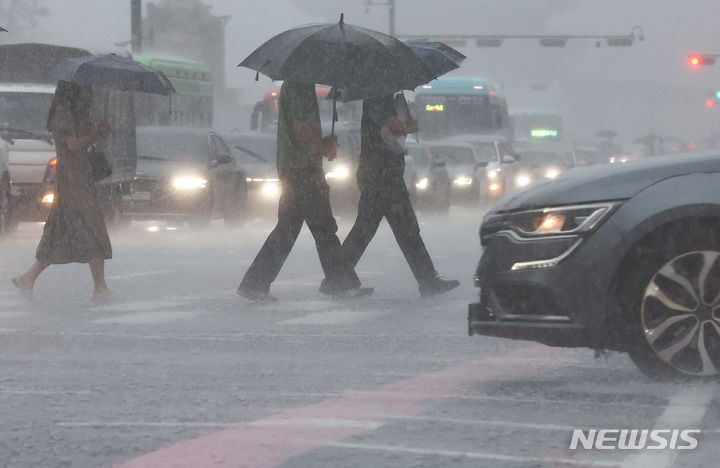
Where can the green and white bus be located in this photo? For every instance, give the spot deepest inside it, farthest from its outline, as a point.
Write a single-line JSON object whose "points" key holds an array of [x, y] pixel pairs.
{"points": [[193, 104], [451, 106]]}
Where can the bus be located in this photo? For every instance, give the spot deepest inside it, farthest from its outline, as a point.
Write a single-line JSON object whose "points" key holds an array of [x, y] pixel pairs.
{"points": [[450, 106], [193, 104], [536, 124]]}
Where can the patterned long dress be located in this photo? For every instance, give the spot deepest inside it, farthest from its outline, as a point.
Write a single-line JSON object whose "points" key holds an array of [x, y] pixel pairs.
{"points": [[75, 230]]}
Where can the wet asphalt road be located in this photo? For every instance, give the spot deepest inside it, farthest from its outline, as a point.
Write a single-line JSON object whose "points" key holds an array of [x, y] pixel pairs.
{"points": [[179, 371]]}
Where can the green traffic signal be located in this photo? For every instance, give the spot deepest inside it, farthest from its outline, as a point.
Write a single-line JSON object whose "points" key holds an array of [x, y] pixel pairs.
{"points": [[717, 94]]}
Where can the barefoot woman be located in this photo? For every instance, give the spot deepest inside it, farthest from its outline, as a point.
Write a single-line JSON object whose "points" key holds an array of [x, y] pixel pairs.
{"points": [[75, 229]]}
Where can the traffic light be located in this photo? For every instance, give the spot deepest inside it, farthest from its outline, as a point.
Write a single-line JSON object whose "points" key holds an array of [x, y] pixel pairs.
{"points": [[709, 103], [697, 60]]}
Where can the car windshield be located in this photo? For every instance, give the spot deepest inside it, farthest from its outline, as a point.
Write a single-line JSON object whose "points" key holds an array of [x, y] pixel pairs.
{"points": [[419, 155], [486, 151], [253, 150], [454, 155], [172, 146], [25, 111]]}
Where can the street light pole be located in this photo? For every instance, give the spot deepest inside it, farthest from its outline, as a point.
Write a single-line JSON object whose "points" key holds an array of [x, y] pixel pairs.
{"points": [[391, 12], [136, 25]]}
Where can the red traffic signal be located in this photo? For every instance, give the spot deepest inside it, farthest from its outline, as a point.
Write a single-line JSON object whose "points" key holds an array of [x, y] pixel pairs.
{"points": [[697, 60]]}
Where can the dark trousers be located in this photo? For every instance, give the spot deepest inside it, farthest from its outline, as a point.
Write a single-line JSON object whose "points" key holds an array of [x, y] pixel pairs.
{"points": [[305, 198], [392, 201]]}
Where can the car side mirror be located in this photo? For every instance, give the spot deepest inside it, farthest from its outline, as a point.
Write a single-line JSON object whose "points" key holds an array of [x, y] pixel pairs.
{"points": [[509, 158], [220, 159]]}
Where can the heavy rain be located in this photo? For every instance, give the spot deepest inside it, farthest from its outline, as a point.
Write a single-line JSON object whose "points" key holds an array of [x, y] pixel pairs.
{"points": [[359, 233]]}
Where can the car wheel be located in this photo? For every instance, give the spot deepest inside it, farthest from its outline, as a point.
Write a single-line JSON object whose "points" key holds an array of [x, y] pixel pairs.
{"points": [[237, 207], [675, 307], [7, 223]]}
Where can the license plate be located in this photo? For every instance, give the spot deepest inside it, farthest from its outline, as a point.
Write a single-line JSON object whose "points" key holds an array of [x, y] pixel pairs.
{"points": [[142, 196]]}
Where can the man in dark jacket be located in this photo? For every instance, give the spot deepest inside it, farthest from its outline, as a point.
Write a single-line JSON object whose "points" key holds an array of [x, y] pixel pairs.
{"points": [[383, 193], [305, 198]]}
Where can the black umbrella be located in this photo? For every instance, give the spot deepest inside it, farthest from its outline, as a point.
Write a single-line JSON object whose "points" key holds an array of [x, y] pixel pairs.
{"points": [[439, 58], [112, 71], [339, 55]]}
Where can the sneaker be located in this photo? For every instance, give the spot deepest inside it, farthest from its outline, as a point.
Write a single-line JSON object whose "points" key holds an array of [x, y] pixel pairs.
{"points": [[437, 286], [255, 294], [353, 293]]}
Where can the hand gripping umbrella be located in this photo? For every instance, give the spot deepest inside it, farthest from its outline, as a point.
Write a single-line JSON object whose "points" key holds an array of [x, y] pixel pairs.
{"points": [[339, 55]]}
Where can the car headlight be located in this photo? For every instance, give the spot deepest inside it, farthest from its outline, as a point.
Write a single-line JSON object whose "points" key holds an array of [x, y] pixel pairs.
{"points": [[551, 172], [422, 184], [339, 172], [189, 183], [565, 220], [494, 174], [271, 189], [494, 187], [48, 198], [523, 180], [462, 180]]}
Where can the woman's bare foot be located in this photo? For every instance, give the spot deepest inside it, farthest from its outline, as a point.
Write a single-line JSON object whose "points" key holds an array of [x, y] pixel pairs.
{"points": [[24, 285], [101, 295]]}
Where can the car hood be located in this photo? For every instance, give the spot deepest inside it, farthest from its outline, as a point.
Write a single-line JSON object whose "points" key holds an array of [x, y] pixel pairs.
{"points": [[260, 171], [607, 181], [154, 169], [456, 170]]}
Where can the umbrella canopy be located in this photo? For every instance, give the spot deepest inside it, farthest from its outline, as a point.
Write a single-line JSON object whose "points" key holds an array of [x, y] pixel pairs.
{"points": [[112, 71], [340, 55], [437, 57], [440, 58]]}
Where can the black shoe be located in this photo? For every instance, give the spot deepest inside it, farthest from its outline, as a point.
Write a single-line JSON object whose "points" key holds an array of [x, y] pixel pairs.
{"points": [[255, 294], [325, 288], [437, 286], [352, 293]]}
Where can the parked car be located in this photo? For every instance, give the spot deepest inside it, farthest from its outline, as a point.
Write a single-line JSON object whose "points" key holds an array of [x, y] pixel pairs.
{"points": [[431, 181], [465, 168], [499, 155], [185, 173], [616, 256], [7, 207], [255, 153]]}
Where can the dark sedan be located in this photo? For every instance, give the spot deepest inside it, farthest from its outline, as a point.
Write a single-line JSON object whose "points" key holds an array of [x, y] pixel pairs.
{"points": [[185, 173], [622, 257]]}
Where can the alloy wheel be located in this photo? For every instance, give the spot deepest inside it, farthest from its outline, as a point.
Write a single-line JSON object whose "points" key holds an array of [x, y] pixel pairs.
{"points": [[680, 313]]}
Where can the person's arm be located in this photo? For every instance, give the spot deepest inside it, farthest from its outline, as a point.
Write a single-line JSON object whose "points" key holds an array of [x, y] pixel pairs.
{"points": [[311, 135], [81, 142], [397, 126]]}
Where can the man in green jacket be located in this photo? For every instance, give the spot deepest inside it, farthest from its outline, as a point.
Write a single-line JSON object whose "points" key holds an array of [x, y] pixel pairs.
{"points": [[305, 198]]}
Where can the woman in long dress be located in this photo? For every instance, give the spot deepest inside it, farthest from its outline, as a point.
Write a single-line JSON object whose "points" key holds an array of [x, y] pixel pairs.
{"points": [[75, 230]]}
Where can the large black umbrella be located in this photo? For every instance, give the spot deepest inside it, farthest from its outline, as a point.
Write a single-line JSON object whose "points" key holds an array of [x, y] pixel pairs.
{"points": [[438, 57], [112, 71], [339, 55]]}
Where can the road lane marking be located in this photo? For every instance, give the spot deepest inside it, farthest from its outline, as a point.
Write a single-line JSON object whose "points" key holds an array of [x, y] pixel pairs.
{"points": [[136, 275], [685, 410], [333, 317], [270, 441], [146, 318], [317, 422], [138, 306], [472, 455]]}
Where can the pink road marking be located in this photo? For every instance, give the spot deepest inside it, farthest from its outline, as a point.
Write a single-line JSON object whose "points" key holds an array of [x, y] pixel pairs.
{"points": [[271, 441]]}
